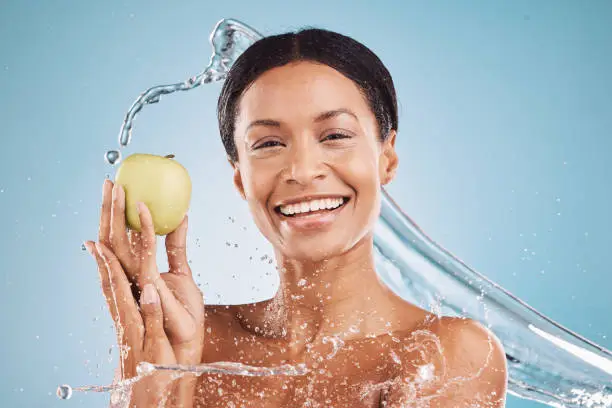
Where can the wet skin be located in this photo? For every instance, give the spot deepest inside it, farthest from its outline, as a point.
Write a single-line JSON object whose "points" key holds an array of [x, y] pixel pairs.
{"points": [[306, 130], [303, 130]]}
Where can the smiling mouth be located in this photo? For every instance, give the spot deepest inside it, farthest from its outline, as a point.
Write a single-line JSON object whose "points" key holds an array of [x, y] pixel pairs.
{"points": [[311, 213]]}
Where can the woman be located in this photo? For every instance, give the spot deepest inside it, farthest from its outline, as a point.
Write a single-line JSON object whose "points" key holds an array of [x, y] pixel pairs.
{"points": [[309, 122]]}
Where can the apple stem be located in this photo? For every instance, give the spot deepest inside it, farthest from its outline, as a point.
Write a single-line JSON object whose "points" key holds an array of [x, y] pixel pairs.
{"points": [[169, 156]]}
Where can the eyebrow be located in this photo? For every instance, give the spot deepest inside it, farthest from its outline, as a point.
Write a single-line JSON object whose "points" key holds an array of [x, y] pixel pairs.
{"points": [[319, 118]]}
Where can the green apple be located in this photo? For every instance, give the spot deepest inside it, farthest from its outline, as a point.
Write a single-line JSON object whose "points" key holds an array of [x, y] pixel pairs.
{"points": [[161, 183]]}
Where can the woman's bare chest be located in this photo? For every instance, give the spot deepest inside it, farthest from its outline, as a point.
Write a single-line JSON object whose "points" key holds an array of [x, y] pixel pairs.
{"points": [[350, 374], [318, 388]]}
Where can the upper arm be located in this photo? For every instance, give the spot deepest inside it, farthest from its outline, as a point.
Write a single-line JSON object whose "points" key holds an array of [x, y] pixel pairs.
{"points": [[471, 370]]}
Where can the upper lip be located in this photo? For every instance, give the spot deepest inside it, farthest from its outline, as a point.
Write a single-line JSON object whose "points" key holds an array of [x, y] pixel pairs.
{"points": [[294, 200]]}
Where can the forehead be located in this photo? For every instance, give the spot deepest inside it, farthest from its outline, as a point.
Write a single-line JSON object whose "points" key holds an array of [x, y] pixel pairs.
{"points": [[301, 89]]}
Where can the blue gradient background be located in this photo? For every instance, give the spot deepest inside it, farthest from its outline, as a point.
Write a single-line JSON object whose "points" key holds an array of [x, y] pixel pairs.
{"points": [[505, 118]]}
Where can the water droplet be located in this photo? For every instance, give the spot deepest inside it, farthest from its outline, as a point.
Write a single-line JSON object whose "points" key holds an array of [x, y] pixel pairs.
{"points": [[425, 373], [144, 368], [112, 157], [83, 247], [64, 392], [395, 358]]}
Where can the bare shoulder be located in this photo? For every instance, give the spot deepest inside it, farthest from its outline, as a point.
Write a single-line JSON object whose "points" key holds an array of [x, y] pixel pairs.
{"points": [[465, 343], [468, 365], [471, 348], [474, 354]]}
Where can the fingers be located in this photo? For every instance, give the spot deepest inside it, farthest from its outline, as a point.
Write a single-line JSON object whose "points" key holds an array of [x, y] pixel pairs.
{"points": [[176, 249], [104, 280], [148, 263], [105, 213], [155, 342], [176, 315], [119, 240], [156, 348], [135, 238], [129, 321]]}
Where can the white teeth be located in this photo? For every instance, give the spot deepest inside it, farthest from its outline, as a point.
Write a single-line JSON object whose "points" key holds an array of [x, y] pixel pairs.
{"points": [[313, 205]]}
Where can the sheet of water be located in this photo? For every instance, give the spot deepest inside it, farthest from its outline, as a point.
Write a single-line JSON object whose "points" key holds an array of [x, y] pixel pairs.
{"points": [[546, 362]]}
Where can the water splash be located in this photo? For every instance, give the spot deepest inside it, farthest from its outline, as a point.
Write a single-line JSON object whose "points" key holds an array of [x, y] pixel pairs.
{"points": [[228, 39], [336, 342], [547, 362], [120, 391], [64, 392]]}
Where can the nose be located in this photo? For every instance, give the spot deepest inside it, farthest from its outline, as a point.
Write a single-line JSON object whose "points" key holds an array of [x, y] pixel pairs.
{"points": [[305, 164]]}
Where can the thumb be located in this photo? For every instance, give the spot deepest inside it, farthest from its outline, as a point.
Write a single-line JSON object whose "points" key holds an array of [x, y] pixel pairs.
{"points": [[153, 318], [176, 249]]}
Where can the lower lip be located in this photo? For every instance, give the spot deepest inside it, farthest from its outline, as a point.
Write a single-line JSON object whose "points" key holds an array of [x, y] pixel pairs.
{"points": [[313, 221]]}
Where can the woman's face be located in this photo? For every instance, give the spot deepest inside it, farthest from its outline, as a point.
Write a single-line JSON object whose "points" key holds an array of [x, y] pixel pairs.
{"points": [[304, 131]]}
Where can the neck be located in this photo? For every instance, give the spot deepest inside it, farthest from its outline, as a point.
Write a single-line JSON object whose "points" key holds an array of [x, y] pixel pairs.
{"points": [[340, 296]]}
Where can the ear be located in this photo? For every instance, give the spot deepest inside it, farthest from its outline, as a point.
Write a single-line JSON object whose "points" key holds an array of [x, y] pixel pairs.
{"points": [[237, 178], [388, 159]]}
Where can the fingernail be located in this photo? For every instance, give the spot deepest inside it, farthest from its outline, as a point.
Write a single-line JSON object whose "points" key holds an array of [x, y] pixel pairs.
{"points": [[141, 207], [149, 295], [87, 246], [99, 249]]}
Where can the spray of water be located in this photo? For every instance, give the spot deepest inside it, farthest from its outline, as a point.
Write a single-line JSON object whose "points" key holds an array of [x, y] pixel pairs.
{"points": [[229, 39], [145, 369], [547, 362]]}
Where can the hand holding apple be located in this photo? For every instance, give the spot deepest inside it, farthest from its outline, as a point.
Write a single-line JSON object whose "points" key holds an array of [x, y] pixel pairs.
{"points": [[165, 326], [161, 183]]}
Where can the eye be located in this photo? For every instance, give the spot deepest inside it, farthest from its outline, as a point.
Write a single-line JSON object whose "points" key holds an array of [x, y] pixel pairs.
{"points": [[269, 143], [336, 136]]}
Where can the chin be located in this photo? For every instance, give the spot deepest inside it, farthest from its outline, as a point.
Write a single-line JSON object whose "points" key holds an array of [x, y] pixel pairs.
{"points": [[315, 252]]}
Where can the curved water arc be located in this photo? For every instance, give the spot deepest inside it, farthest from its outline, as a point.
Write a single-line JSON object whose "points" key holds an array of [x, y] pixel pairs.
{"points": [[546, 361], [228, 39]]}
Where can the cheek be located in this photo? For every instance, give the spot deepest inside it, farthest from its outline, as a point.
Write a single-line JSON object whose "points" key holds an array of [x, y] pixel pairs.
{"points": [[362, 172], [256, 182], [258, 185]]}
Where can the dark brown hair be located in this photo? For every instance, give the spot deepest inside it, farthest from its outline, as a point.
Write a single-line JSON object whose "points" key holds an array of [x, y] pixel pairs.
{"points": [[346, 55]]}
